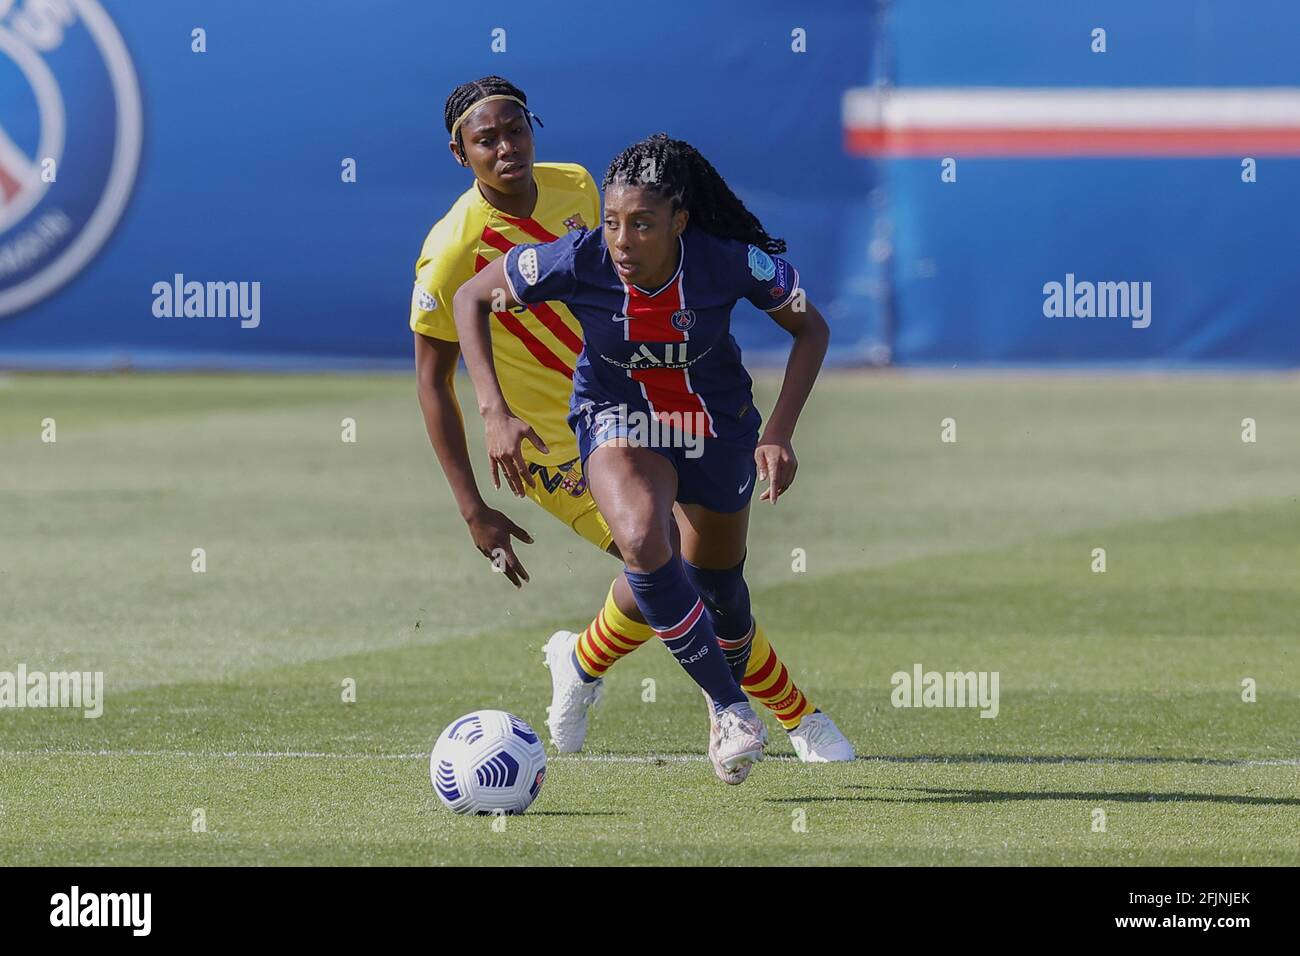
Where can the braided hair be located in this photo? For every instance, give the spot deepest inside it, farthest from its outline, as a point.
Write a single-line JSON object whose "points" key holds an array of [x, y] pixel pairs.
{"points": [[467, 93], [676, 170]]}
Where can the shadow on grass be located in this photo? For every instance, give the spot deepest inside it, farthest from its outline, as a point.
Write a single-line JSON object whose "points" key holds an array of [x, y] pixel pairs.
{"points": [[1053, 759], [971, 795], [665, 757]]}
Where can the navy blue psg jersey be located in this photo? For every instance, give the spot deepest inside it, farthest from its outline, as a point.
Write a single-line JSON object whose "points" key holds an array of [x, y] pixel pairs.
{"points": [[667, 352]]}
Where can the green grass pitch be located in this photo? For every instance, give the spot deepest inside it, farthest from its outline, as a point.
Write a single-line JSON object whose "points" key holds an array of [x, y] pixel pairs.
{"points": [[1120, 691]]}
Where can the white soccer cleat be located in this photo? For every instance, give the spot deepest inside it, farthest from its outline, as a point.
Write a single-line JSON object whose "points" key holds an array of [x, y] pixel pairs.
{"points": [[740, 739], [571, 696], [818, 740], [715, 735]]}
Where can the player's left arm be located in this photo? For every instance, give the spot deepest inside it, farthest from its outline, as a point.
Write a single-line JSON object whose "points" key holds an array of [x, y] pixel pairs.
{"points": [[775, 454]]}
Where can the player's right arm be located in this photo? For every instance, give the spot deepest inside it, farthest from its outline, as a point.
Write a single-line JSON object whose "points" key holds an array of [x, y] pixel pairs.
{"points": [[489, 529], [472, 307], [443, 265], [525, 274]]}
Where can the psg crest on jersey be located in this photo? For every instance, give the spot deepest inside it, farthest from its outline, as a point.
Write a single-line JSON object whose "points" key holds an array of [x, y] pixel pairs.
{"points": [[683, 320], [70, 132]]}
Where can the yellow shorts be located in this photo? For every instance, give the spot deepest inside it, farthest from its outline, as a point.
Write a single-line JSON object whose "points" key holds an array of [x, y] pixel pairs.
{"points": [[562, 491]]}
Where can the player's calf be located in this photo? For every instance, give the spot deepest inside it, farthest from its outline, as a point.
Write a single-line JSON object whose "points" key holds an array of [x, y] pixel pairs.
{"points": [[726, 598]]}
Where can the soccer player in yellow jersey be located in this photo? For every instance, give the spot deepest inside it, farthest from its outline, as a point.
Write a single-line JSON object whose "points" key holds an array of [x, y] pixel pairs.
{"points": [[514, 200]]}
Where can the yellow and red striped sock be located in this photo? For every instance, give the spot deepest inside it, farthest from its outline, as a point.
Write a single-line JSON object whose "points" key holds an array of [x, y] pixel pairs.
{"points": [[610, 636], [768, 682]]}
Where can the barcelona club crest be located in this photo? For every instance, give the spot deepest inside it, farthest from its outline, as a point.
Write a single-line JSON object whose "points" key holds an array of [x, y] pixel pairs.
{"points": [[574, 222], [683, 320], [70, 131]]}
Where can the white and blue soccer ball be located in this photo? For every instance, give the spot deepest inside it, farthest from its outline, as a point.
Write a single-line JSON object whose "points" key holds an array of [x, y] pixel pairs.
{"points": [[487, 762]]}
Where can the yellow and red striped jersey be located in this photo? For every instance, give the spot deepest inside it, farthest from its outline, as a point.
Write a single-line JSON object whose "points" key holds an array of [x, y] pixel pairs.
{"points": [[536, 348]]}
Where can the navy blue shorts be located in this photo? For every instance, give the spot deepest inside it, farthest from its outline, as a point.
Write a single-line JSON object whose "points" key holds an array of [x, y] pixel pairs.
{"points": [[717, 474]]}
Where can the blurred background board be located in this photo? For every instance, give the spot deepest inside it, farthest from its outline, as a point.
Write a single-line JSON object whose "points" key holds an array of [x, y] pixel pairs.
{"points": [[832, 121], [239, 173]]}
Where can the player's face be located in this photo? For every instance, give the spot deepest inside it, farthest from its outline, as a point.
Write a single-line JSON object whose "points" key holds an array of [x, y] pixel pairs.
{"points": [[641, 231], [498, 146]]}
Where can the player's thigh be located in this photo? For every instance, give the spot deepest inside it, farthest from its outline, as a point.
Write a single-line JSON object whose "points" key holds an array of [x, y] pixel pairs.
{"points": [[713, 539], [713, 496], [634, 489]]}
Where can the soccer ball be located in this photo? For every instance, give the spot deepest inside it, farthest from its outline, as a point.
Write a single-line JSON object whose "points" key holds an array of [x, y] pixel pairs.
{"points": [[487, 762]]}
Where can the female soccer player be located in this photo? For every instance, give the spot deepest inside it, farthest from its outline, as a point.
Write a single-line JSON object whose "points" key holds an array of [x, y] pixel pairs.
{"points": [[514, 200], [662, 407]]}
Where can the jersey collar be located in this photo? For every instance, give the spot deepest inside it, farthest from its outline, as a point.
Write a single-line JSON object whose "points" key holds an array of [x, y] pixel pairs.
{"points": [[681, 260], [500, 213]]}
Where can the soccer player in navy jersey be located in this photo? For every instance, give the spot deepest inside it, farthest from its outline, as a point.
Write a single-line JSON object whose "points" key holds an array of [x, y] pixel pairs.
{"points": [[662, 407], [516, 200]]}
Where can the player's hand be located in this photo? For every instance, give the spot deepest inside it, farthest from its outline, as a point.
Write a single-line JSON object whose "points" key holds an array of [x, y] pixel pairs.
{"points": [[776, 465], [491, 531], [505, 443]]}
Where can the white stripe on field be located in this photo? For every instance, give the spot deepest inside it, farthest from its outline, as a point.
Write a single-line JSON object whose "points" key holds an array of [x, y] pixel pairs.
{"points": [[648, 758], [1105, 107], [205, 754], [320, 754]]}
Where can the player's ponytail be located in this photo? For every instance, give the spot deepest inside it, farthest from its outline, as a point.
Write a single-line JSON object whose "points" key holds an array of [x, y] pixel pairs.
{"points": [[677, 171]]}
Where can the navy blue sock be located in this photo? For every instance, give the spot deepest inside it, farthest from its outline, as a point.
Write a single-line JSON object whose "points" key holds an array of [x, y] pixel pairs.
{"points": [[670, 606], [726, 599], [582, 673]]}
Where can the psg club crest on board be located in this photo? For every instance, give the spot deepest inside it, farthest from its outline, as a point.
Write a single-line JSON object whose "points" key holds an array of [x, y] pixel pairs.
{"points": [[70, 97], [683, 320]]}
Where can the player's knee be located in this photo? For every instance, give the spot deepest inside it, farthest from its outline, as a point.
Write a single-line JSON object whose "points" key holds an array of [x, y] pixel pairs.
{"points": [[644, 548], [726, 596]]}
